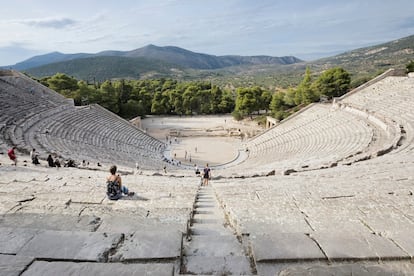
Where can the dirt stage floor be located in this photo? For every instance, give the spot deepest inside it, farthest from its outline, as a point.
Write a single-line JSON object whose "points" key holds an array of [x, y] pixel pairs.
{"points": [[203, 139]]}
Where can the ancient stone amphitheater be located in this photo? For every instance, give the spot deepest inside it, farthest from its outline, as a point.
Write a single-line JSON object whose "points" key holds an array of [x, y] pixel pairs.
{"points": [[329, 191]]}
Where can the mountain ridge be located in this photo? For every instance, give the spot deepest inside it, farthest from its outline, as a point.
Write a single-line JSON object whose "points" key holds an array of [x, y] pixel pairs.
{"points": [[362, 64], [168, 54]]}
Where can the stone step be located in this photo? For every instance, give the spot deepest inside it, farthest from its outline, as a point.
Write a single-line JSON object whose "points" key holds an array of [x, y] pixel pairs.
{"points": [[83, 246], [196, 212], [205, 201], [205, 205], [40, 268], [213, 215], [216, 246], [201, 221], [210, 230], [206, 196], [226, 265]]}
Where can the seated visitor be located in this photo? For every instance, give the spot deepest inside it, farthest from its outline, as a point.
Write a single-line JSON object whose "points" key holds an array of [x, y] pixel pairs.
{"points": [[34, 157], [57, 163], [70, 163], [50, 161], [114, 186]]}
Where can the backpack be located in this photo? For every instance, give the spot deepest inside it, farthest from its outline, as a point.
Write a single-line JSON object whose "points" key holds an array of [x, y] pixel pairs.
{"points": [[113, 190]]}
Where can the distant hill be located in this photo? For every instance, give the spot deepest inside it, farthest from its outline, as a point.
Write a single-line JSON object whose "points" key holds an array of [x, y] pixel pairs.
{"points": [[145, 62], [188, 59], [45, 59], [107, 67], [154, 62], [169, 54], [397, 53], [363, 64]]}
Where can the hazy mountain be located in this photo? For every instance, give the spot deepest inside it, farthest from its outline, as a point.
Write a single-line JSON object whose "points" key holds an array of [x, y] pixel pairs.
{"points": [[46, 59], [168, 54], [397, 53], [362, 64], [188, 59], [154, 62], [102, 68]]}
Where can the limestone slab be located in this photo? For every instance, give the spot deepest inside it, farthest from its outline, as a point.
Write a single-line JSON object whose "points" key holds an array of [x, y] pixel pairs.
{"points": [[144, 245], [66, 245], [285, 247], [363, 269], [255, 227], [209, 229], [11, 265], [225, 265], [405, 240], [41, 268], [50, 221], [215, 246], [342, 246], [13, 239], [120, 224], [85, 198]]}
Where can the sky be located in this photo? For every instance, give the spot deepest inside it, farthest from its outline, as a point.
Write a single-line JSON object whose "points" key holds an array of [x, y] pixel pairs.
{"points": [[305, 29]]}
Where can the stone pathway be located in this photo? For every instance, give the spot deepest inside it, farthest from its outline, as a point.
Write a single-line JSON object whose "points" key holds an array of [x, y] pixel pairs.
{"points": [[213, 249]]}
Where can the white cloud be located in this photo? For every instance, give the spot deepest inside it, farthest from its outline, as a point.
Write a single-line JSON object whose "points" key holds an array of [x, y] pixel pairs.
{"points": [[56, 23]]}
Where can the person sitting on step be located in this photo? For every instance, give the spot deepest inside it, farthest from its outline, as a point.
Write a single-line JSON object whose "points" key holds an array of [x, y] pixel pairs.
{"points": [[115, 189]]}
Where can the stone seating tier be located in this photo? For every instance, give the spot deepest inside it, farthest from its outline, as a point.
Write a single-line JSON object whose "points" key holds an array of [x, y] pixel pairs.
{"points": [[87, 131], [317, 137], [33, 115]]}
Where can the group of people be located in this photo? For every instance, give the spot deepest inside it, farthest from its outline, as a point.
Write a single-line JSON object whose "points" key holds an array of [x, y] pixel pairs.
{"points": [[115, 189], [53, 162], [34, 157]]}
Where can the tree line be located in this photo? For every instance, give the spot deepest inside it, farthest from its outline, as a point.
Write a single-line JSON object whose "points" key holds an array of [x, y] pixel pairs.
{"points": [[131, 98]]}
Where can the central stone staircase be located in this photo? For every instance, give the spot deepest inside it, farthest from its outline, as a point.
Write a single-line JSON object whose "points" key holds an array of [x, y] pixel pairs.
{"points": [[212, 248]]}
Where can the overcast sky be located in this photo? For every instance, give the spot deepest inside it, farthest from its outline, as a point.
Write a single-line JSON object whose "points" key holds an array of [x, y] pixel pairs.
{"points": [[306, 29]]}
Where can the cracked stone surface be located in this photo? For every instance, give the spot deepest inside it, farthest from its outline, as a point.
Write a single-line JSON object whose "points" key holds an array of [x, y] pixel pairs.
{"points": [[155, 244], [40, 268], [67, 245], [342, 246], [285, 247], [13, 239], [11, 265]]}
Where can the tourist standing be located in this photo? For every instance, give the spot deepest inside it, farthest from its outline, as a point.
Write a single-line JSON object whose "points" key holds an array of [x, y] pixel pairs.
{"points": [[206, 175]]}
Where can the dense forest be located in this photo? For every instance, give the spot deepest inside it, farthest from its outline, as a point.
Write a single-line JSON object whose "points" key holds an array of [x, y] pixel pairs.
{"points": [[131, 98]]}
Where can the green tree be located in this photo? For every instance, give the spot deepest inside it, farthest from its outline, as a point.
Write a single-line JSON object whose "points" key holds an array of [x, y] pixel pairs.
{"points": [[265, 100], [216, 97], [63, 84], [277, 104], [227, 102], [410, 67], [109, 97], [289, 97], [304, 92], [191, 100], [248, 100], [157, 106], [131, 109], [85, 94], [333, 82]]}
